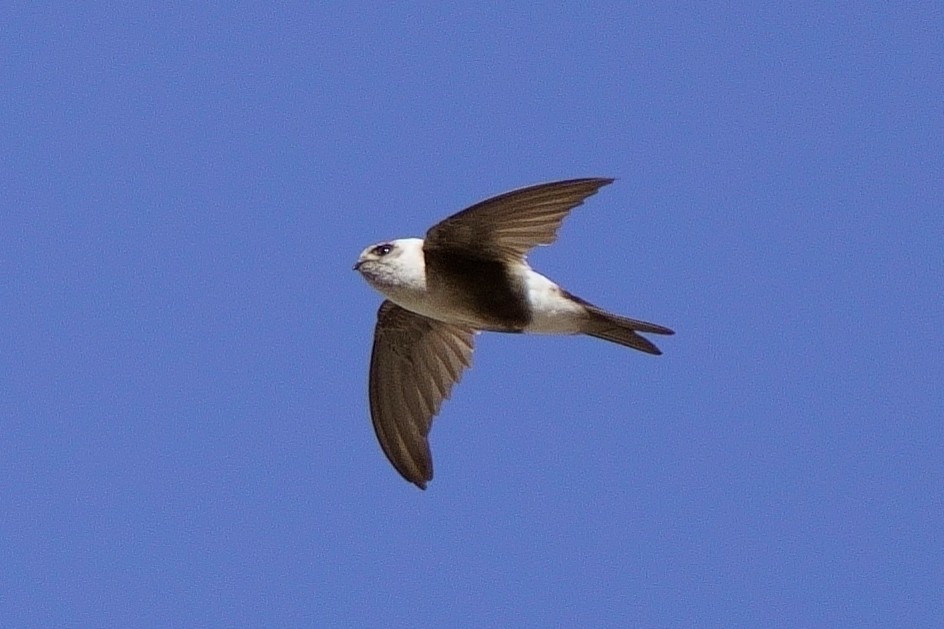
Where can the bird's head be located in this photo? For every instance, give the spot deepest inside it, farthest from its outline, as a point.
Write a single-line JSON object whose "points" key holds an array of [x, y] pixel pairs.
{"points": [[393, 263]]}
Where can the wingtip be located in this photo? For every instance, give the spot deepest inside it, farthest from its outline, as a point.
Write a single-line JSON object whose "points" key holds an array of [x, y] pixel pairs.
{"points": [[420, 479], [415, 477], [599, 181], [602, 182]]}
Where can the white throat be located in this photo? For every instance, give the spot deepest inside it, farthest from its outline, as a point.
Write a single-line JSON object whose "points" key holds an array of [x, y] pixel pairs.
{"points": [[402, 272]]}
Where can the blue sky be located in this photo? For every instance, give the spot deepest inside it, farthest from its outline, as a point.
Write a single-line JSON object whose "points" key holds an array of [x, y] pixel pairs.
{"points": [[184, 432]]}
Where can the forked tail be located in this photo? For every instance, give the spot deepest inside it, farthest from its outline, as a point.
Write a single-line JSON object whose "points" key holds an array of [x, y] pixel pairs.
{"points": [[622, 330]]}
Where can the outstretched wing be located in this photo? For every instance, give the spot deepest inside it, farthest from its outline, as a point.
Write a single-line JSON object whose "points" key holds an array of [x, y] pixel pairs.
{"points": [[414, 364], [509, 225]]}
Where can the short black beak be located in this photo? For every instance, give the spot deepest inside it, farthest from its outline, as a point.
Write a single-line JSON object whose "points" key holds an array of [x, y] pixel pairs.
{"points": [[357, 265]]}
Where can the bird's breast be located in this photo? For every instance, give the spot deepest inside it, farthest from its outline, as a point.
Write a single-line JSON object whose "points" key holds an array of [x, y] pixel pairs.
{"points": [[485, 292]]}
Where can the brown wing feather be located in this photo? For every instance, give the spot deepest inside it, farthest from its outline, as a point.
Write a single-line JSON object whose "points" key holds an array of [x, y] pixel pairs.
{"points": [[511, 224], [413, 366]]}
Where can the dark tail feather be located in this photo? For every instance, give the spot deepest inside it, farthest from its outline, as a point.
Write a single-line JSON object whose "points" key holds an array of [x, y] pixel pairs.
{"points": [[623, 330]]}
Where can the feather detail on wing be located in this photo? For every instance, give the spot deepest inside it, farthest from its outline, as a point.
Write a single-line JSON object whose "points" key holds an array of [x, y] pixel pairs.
{"points": [[414, 364]]}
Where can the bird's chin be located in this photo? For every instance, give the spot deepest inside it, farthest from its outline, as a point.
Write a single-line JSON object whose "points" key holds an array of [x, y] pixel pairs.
{"points": [[370, 275], [365, 268]]}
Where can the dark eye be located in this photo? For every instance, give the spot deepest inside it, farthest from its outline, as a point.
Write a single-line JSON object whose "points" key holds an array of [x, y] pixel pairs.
{"points": [[382, 250]]}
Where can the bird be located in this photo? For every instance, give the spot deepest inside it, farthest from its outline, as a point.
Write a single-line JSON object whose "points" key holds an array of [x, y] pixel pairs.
{"points": [[470, 274]]}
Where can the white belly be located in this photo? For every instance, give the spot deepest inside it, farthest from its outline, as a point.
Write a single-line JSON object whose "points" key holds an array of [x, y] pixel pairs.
{"points": [[551, 311], [431, 304]]}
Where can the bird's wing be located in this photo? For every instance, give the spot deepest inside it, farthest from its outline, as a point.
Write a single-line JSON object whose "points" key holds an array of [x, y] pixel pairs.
{"points": [[511, 224], [414, 364]]}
